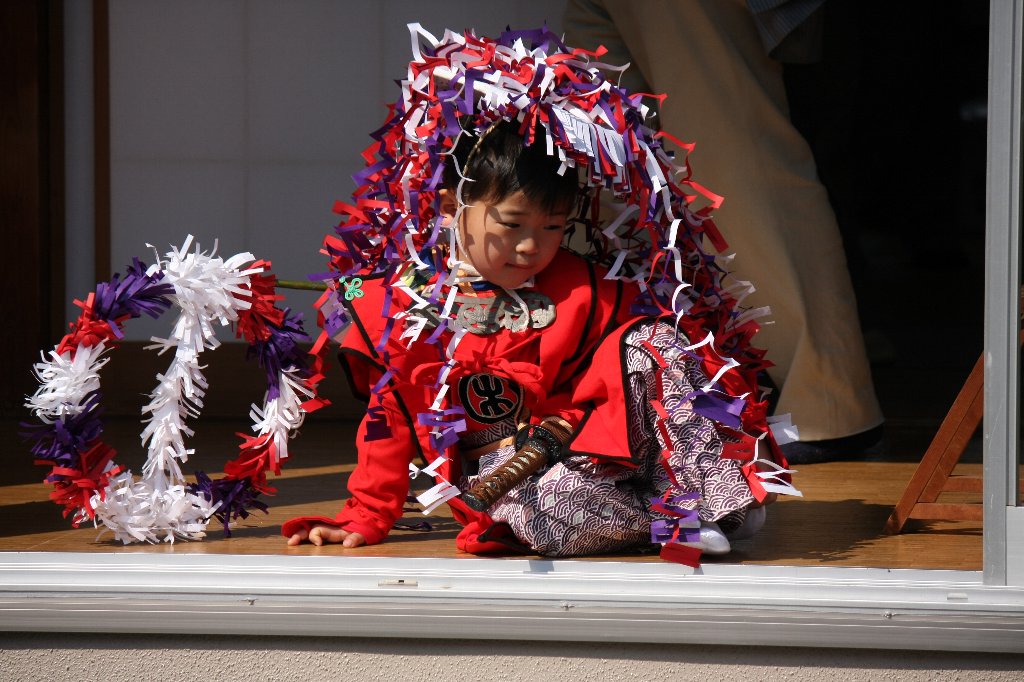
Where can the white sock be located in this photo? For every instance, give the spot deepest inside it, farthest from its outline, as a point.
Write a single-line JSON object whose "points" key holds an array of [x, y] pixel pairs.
{"points": [[712, 539]]}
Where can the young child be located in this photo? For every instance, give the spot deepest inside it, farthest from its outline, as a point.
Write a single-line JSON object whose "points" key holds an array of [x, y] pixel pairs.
{"points": [[480, 339]]}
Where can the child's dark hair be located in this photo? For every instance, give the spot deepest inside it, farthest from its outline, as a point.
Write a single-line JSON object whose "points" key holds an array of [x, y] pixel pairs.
{"points": [[501, 165]]}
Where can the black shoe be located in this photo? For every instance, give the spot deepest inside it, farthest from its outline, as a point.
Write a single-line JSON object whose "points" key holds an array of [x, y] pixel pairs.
{"points": [[835, 449]]}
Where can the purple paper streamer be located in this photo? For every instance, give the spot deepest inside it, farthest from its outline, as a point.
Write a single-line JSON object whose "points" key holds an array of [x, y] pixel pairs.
{"points": [[361, 177], [431, 421], [237, 498], [644, 309], [724, 411], [133, 294], [444, 439], [338, 320], [63, 441], [663, 531], [281, 351]]}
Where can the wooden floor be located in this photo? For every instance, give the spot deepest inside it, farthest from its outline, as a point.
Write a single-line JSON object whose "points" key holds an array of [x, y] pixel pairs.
{"points": [[838, 522]]}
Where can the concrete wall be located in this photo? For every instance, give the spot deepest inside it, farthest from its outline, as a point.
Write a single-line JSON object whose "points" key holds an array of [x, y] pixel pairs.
{"points": [[81, 658]]}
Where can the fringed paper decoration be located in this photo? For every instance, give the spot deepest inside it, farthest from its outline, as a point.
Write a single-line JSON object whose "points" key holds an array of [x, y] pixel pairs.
{"points": [[207, 291]]}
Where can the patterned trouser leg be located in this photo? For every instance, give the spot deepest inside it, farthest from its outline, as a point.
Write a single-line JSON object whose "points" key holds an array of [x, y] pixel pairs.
{"points": [[576, 507], [696, 453], [581, 507]]}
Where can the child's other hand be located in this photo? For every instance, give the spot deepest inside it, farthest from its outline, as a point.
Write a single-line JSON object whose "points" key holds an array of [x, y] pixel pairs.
{"points": [[322, 533]]}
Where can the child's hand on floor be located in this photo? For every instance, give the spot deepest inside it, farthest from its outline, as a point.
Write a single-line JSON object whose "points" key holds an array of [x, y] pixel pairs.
{"points": [[322, 533]]}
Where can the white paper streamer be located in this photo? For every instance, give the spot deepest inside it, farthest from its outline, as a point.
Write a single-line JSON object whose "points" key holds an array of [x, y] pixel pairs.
{"points": [[65, 383], [437, 495]]}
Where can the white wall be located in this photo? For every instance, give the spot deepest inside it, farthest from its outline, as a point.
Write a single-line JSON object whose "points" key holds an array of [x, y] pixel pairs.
{"points": [[243, 120]]}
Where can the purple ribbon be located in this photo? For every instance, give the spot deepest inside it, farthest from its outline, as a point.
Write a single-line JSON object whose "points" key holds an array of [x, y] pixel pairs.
{"points": [[682, 520], [237, 498], [718, 409]]}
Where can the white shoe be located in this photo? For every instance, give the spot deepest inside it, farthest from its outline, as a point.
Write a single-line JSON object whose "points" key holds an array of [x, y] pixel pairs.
{"points": [[752, 523], [712, 539]]}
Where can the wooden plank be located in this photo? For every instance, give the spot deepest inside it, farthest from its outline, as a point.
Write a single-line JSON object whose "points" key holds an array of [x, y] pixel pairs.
{"points": [[955, 446], [963, 484], [957, 512], [963, 417]]}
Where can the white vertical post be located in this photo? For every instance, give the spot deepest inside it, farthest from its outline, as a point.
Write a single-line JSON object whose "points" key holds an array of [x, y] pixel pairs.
{"points": [[1003, 554]]}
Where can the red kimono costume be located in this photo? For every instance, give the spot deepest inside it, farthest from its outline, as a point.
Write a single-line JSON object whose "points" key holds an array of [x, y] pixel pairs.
{"points": [[578, 367]]}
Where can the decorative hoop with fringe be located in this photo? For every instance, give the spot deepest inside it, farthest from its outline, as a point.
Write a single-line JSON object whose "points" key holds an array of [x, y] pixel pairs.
{"points": [[160, 505]]}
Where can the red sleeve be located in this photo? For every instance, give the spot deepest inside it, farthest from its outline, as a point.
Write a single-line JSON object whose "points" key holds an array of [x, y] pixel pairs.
{"points": [[380, 482], [592, 309], [378, 485], [604, 431]]}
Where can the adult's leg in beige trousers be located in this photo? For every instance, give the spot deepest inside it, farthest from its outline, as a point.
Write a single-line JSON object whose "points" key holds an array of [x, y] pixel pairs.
{"points": [[727, 95]]}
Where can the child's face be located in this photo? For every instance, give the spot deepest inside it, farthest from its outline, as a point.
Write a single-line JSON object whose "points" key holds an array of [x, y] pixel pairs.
{"points": [[510, 240]]}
